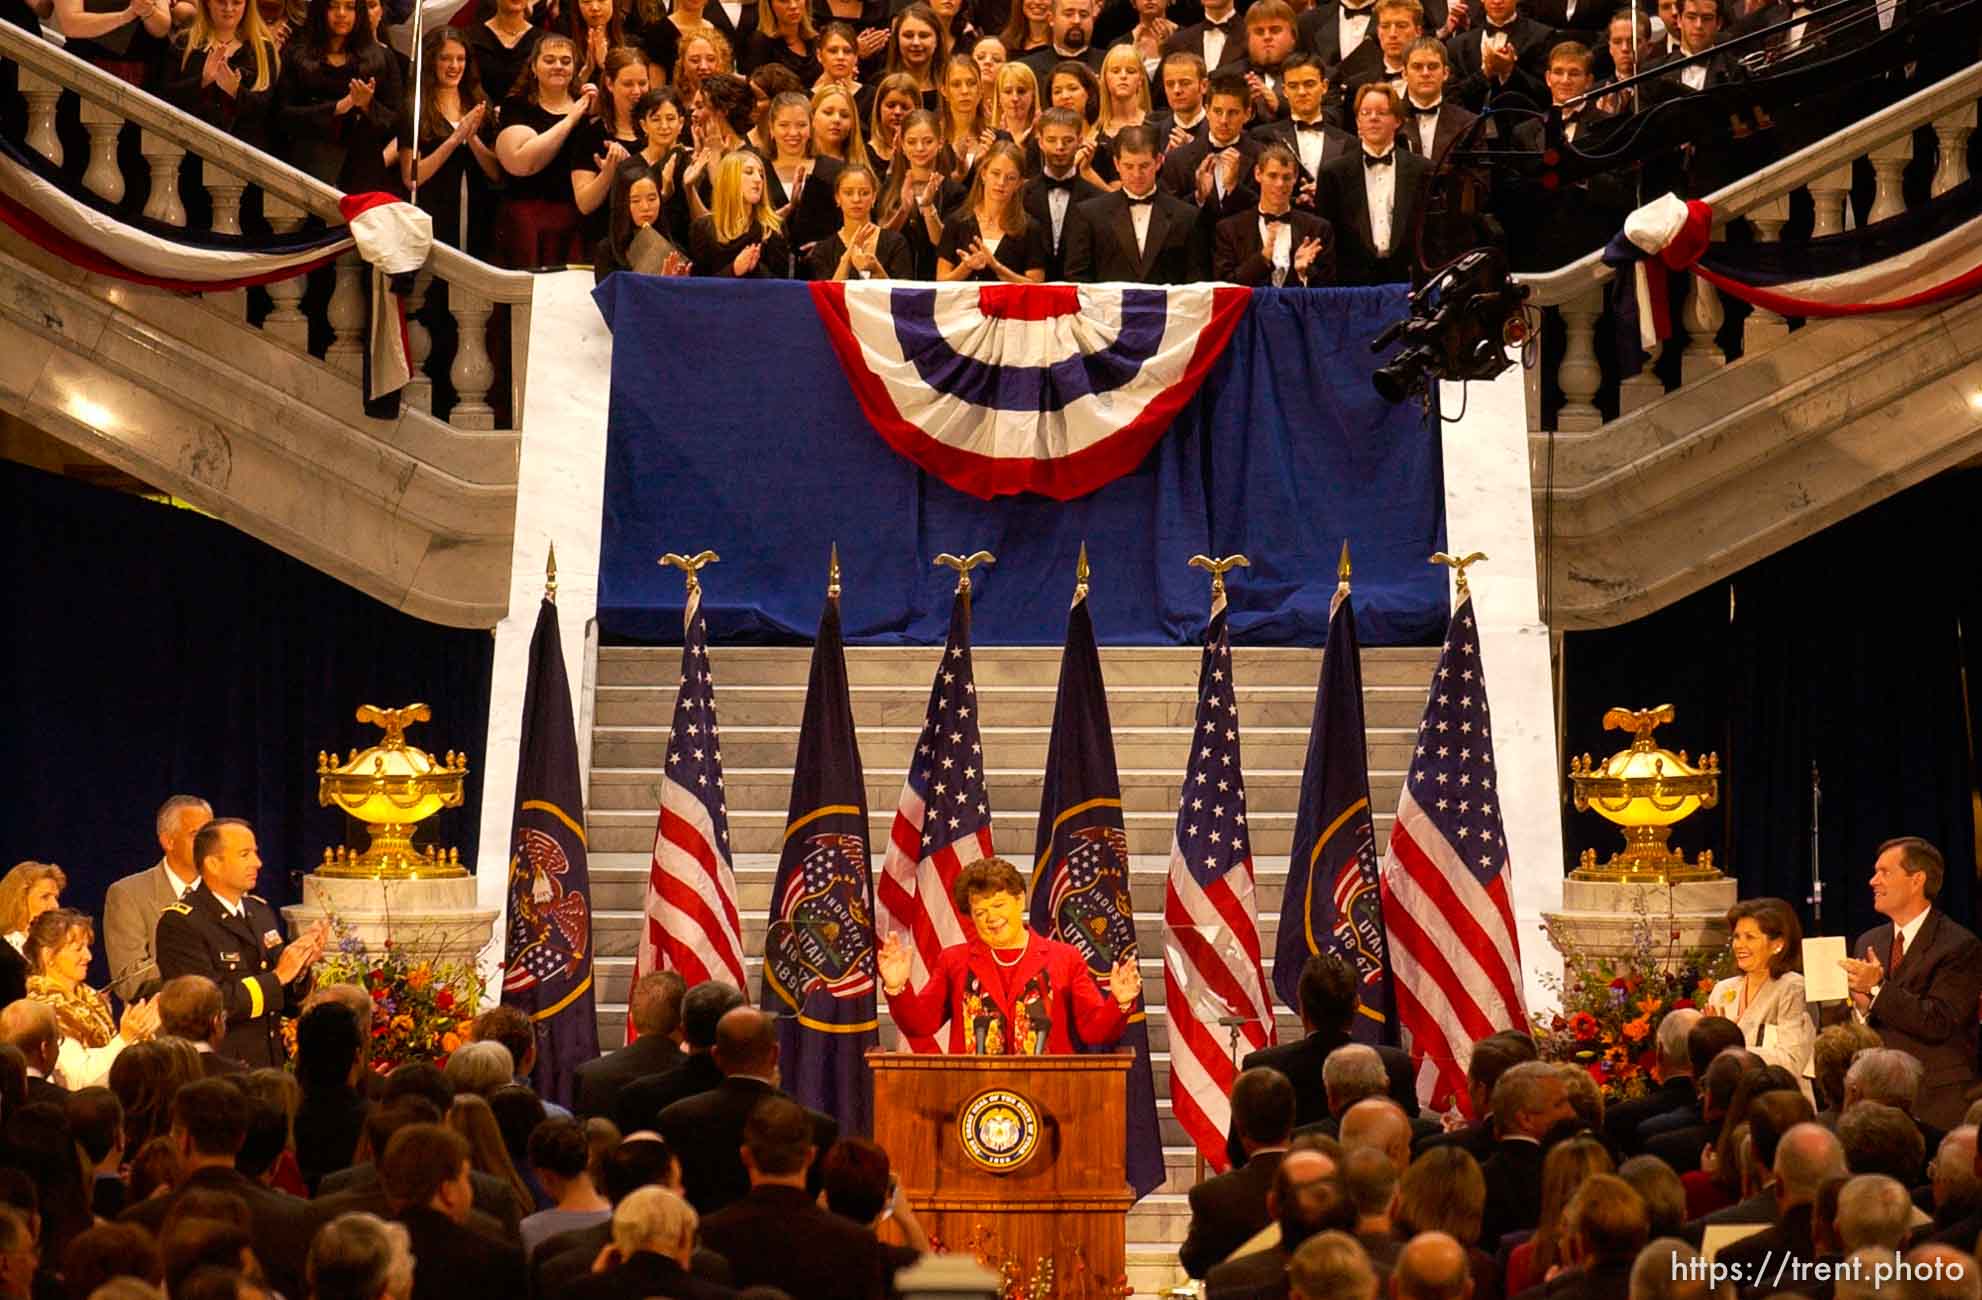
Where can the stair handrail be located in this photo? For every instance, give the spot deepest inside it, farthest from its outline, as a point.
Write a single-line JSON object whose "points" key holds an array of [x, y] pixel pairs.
{"points": [[1782, 177], [271, 174]]}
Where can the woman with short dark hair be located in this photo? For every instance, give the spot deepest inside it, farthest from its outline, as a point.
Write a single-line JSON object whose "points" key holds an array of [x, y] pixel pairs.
{"points": [[1765, 995]]}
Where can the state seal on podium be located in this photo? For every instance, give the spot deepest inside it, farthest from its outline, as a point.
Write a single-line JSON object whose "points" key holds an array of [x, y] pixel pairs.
{"points": [[1000, 1129]]}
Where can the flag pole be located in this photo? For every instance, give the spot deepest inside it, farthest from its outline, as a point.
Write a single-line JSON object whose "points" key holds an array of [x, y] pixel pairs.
{"points": [[1080, 575], [1457, 563], [419, 52], [1342, 571], [1217, 566], [833, 574], [963, 565], [550, 575], [690, 566]]}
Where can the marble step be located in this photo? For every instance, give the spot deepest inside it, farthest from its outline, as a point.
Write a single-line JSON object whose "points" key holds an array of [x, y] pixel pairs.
{"points": [[1006, 665], [1164, 705], [1162, 748], [1154, 1270], [631, 829]]}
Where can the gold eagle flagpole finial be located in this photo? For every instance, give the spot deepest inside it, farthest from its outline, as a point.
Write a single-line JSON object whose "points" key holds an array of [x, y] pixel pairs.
{"points": [[1081, 575], [1458, 564], [550, 575], [1217, 566], [689, 564], [963, 565], [833, 574], [1342, 570]]}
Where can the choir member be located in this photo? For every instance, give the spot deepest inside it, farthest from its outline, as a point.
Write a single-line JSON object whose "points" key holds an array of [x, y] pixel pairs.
{"points": [[839, 59], [1629, 41], [539, 223], [594, 26], [790, 151], [957, 31], [703, 54], [918, 193], [454, 164], [836, 127], [636, 209], [785, 35], [610, 135], [1507, 52], [1070, 29], [1215, 173], [1305, 132], [338, 101], [665, 157], [1018, 103], [1276, 243], [1124, 91], [989, 54], [866, 22], [1073, 87], [895, 97], [918, 49], [1269, 40], [740, 236], [991, 238], [860, 249], [1059, 186], [1141, 232], [1432, 123], [501, 48], [767, 82], [222, 69], [1029, 29], [1398, 24], [1184, 87], [1218, 40], [1371, 197], [119, 36], [966, 116], [1149, 37], [735, 19]]}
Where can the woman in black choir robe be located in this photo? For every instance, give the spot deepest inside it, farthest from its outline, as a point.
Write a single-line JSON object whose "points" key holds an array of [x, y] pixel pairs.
{"points": [[918, 47], [338, 99], [703, 54], [1072, 85], [740, 237], [1029, 28], [222, 69], [721, 124], [594, 25], [607, 139], [538, 223], [785, 35], [957, 29], [966, 115], [636, 206], [839, 59], [788, 126], [1017, 106], [991, 238], [989, 54], [866, 22], [664, 157], [895, 97], [120, 36], [836, 127], [859, 249], [918, 194], [456, 165], [1124, 97], [501, 48]]}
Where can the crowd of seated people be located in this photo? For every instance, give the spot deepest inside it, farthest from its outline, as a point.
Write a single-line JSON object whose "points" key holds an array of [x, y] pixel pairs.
{"points": [[1160, 141]]}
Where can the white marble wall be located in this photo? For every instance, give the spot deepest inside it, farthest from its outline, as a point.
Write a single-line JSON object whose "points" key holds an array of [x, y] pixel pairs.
{"points": [[559, 493], [1488, 507]]}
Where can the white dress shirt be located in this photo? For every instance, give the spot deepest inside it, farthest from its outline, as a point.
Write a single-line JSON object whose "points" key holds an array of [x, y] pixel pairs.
{"points": [[1214, 44], [1351, 26], [1139, 218], [1276, 239], [1425, 123], [1057, 202], [1308, 145], [1217, 173], [1694, 77], [1907, 934], [180, 888], [1380, 188]]}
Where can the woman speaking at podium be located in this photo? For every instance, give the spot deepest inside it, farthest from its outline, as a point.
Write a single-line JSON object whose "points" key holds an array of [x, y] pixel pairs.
{"points": [[1008, 991]]}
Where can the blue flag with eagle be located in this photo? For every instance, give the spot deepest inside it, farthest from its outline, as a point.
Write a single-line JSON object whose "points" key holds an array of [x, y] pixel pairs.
{"points": [[819, 944], [547, 949], [1080, 876]]}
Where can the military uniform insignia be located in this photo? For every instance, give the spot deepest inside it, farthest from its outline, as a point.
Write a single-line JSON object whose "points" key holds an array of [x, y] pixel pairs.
{"points": [[180, 908], [271, 939]]}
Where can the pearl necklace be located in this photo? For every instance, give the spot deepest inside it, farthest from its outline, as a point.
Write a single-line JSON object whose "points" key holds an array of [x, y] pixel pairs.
{"points": [[1014, 961]]}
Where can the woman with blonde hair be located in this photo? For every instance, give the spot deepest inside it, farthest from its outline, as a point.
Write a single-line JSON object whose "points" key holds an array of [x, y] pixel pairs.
{"points": [[992, 239], [27, 891], [58, 951], [472, 1117], [966, 115], [785, 35], [1124, 90], [836, 127], [1565, 1169], [703, 54], [895, 97], [1018, 102], [226, 70], [741, 237]]}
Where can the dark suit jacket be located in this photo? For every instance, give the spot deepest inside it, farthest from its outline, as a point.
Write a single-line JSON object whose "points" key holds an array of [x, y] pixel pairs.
{"points": [[778, 1236], [1513, 1176], [1237, 255], [1790, 1233], [327, 1127], [218, 1066], [646, 1274], [493, 1196], [1226, 1210], [1319, 31], [1453, 122], [1680, 1146], [1469, 84], [13, 975], [1343, 201], [563, 1259], [600, 1081], [1590, 23], [1927, 1008], [641, 1102], [1190, 40], [1621, 1119], [1179, 177], [1476, 1140], [279, 1225], [1261, 1275], [457, 1262], [1101, 242], [1605, 1282], [1358, 70], [705, 1132], [1301, 1062], [45, 1091], [1034, 196], [1759, 1208], [1335, 143]]}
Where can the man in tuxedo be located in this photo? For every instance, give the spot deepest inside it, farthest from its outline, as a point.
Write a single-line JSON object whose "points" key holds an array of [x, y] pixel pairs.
{"points": [[1139, 233], [1553, 227], [654, 1010], [1335, 29], [1219, 40], [1508, 53], [1183, 90], [1529, 1100], [1269, 41], [1307, 1198], [706, 1131], [776, 1234], [132, 905], [1051, 196], [1274, 244], [1673, 1090], [1072, 25], [1304, 130], [1231, 1207], [30, 1027], [1398, 24], [703, 1007], [209, 1126], [1371, 197], [426, 1174], [1700, 24], [191, 1008], [1431, 122], [1917, 980], [1215, 173]]}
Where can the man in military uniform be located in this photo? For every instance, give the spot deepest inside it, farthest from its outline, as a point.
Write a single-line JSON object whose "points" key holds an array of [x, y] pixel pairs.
{"points": [[234, 938]]}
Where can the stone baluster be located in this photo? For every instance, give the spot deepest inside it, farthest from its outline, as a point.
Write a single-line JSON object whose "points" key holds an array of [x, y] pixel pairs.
{"points": [[164, 155], [285, 321], [1764, 328], [419, 392], [1827, 194], [473, 373], [41, 94], [1641, 389], [1702, 316], [348, 317], [1888, 162], [1579, 376], [225, 189], [1951, 132], [102, 176]]}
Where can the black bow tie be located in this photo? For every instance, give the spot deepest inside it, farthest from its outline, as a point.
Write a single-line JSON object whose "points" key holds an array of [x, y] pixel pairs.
{"points": [[1142, 202], [1359, 11], [1274, 218], [1311, 126], [1227, 27], [1425, 110], [1507, 30], [1054, 183], [1379, 159]]}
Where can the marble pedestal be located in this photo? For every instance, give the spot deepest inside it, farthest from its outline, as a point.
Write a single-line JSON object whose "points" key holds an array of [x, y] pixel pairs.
{"points": [[1607, 918], [438, 919]]}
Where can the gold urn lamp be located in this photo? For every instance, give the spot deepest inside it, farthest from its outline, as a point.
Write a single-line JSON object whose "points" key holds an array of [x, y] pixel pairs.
{"points": [[392, 787], [1645, 791]]}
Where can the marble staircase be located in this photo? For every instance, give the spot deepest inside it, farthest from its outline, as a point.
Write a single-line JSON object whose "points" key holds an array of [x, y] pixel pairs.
{"points": [[1151, 694]]}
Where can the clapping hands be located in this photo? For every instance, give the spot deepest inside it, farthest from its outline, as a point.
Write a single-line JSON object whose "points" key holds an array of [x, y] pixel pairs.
{"points": [[139, 1021]]}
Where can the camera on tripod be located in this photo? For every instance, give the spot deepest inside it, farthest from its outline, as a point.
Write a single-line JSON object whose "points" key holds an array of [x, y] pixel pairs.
{"points": [[1461, 324]]}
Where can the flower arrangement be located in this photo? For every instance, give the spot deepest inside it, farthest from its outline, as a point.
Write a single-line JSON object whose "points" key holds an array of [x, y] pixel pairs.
{"points": [[422, 1008], [1612, 1005]]}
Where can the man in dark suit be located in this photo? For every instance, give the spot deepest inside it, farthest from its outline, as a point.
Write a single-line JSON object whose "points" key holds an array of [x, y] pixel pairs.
{"points": [[1306, 1198], [31, 1028], [1506, 53], [1274, 244], [1139, 233], [1072, 25], [1184, 89], [1304, 130], [653, 1234], [641, 1102], [1398, 24], [1218, 41], [425, 1171], [1672, 1077], [1229, 1208], [1679, 1138], [705, 1132], [777, 1235], [1371, 197], [1807, 1157], [641, 1161], [209, 1124], [1269, 43], [654, 1010], [1611, 1227], [1917, 979], [1051, 196], [362, 1187], [1529, 1100], [192, 1008], [1431, 123], [1333, 30]]}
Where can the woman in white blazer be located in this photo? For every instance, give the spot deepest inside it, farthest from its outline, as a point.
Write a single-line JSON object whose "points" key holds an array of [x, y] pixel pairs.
{"points": [[1765, 996]]}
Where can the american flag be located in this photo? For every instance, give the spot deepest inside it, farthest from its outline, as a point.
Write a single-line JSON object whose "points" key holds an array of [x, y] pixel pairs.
{"points": [[1211, 966], [1453, 948], [692, 924], [943, 822]]}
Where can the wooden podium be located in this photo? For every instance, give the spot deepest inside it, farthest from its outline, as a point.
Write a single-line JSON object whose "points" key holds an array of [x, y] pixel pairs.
{"points": [[986, 1175]]}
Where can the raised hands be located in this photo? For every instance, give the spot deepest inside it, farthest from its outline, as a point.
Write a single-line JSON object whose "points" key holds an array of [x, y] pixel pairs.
{"points": [[871, 42], [1149, 37], [1125, 982], [894, 962], [675, 264], [1304, 255], [861, 251], [470, 124], [361, 92], [746, 261], [609, 161], [1457, 14], [139, 1021], [581, 103], [1264, 99]]}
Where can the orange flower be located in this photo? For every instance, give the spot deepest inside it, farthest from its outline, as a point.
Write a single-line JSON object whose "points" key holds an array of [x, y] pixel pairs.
{"points": [[1635, 1030], [450, 1042], [1650, 1006]]}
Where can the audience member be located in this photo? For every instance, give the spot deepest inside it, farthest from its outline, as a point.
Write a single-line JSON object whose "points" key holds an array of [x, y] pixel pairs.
{"points": [[1955, 1177], [1873, 1210], [361, 1257], [516, 1112], [702, 1009], [1664, 1197], [1831, 1058], [30, 1028], [96, 1121], [58, 952], [561, 1159], [1567, 1167], [331, 1117], [1807, 1157], [1307, 1197], [1229, 1208], [132, 904], [19, 1256], [1431, 1266], [426, 1176], [859, 1185], [1528, 1101], [1880, 1139], [1604, 1228], [191, 1008], [1330, 1265], [1369, 1178], [653, 1242], [106, 1251], [654, 1015]]}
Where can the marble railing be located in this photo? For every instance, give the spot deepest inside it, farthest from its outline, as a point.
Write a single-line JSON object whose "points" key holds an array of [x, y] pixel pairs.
{"points": [[478, 296], [1824, 169]]}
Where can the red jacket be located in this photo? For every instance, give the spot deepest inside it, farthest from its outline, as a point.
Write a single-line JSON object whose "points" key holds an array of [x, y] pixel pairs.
{"points": [[1054, 984]]}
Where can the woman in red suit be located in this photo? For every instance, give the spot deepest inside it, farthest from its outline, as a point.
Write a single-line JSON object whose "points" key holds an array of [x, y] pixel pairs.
{"points": [[1007, 991]]}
